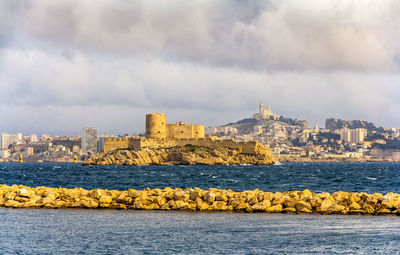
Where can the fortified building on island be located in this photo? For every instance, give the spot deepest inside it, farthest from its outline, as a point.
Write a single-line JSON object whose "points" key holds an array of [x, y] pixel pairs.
{"points": [[158, 128], [160, 134]]}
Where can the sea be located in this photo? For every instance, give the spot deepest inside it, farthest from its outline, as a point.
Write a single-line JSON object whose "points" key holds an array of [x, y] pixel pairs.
{"points": [[80, 231]]}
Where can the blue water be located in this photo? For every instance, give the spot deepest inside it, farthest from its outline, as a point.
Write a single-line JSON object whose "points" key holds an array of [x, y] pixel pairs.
{"points": [[318, 177], [70, 231]]}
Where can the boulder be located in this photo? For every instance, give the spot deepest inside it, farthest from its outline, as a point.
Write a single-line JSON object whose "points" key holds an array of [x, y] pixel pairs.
{"points": [[274, 209], [303, 207], [105, 200], [24, 192]]}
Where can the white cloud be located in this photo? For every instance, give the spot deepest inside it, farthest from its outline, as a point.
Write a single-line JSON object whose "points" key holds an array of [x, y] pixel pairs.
{"points": [[291, 35], [73, 63]]}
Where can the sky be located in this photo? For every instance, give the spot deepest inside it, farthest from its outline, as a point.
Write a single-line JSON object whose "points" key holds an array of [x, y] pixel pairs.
{"points": [[65, 65]]}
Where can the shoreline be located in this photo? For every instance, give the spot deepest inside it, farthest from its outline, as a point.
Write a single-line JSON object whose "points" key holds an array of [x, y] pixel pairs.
{"points": [[196, 199]]}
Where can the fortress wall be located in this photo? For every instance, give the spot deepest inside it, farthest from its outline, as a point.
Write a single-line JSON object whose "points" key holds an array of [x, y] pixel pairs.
{"points": [[198, 131], [137, 144], [115, 143], [158, 143], [156, 125], [179, 131]]}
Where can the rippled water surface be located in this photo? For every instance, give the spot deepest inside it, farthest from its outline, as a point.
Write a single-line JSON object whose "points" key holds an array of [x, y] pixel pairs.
{"points": [[42, 231], [318, 177]]}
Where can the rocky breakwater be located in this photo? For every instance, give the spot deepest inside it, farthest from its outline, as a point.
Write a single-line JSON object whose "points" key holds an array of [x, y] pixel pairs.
{"points": [[183, 155], [195, 199]]}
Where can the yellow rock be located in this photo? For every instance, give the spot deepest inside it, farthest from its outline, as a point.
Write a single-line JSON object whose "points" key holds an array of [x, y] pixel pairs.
{"points": [[367, 208], [354, 198], [261, 206], [340, 196], [281, 200], [289, 210], [160, 200], [203, 206], [59, 204], [12, 203], [209, 197], [221, 197], [181, 195], [166, 207], [371, 200], [338, 209], [274, 209], [218, 205], [89, 203], [151, 207], [105, 200], [326, 204], [10, 196], [181, 205], [242, 206], [194, 194], [21, 199], [192, 199], [253, 201], [51, 197], [390, 202], [291, 203], [25, 192], [192, 207], [385, 211], [303, 207], [305, 193], [354, 206]]}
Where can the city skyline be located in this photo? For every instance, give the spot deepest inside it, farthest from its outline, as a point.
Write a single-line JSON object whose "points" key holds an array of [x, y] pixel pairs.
{"points": [[62, 68]]}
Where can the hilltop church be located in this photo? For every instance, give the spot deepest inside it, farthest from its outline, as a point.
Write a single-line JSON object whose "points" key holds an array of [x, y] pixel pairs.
{"points": [[265, 114]]}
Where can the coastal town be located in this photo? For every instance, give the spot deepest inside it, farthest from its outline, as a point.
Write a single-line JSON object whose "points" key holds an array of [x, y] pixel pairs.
{"points": [[289, 140]]}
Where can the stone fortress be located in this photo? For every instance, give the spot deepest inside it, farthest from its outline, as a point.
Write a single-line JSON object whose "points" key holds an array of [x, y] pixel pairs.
{"points": [[160, 134], [158, 128]]}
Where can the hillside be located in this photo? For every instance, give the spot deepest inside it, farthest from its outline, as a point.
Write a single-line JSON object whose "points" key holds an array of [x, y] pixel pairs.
{"points": [[334, 124], [246, 126]]}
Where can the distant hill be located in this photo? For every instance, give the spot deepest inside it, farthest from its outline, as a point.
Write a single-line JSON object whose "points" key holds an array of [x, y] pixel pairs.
{"points": [[246, 126], [334, 124]]}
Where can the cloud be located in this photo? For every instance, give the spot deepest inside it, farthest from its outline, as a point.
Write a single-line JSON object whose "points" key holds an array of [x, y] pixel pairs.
{"points": [[78, 63], [111, 94], [261, 35]]}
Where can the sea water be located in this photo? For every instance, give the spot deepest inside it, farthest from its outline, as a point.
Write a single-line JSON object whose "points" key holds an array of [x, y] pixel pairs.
{"points": [[76, 231]]}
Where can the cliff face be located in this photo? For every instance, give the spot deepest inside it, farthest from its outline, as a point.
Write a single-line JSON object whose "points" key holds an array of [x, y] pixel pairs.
{"points": [[334, 124], [185, 155]]}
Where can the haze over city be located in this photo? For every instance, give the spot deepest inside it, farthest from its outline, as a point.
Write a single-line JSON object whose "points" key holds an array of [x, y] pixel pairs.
{"points": [[69, 64]]}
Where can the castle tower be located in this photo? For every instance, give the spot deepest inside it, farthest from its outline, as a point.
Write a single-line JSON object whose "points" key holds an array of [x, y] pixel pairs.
{"points": [[198, 131], [261, 111], [156, 125]]}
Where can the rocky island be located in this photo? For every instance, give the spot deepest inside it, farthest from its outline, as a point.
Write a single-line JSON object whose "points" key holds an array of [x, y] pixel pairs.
{"points": [[183, 155], [179, 144]]}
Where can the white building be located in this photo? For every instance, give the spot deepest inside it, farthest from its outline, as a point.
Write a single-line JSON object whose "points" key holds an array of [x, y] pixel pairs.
{"points": [[4, 153], [7, 139], [89, 139], [355, 135], [265, 113]]}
